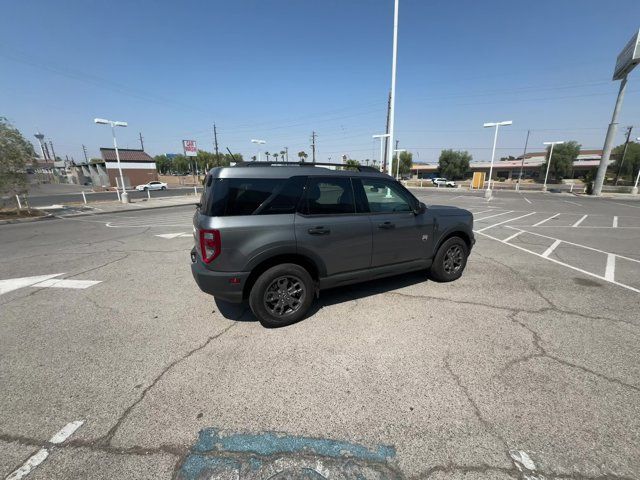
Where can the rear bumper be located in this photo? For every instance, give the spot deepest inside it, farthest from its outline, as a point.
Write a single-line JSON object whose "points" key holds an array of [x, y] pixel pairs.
{"points": [[219, 284]]}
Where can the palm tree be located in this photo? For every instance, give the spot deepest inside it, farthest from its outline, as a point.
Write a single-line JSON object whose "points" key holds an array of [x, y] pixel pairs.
{"points": [[275, 156], [253, 159], [267, 155], [282, 152], [302, 156]]}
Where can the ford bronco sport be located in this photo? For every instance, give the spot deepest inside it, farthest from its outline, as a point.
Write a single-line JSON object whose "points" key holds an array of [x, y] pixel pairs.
{"points": [[276, 235]]}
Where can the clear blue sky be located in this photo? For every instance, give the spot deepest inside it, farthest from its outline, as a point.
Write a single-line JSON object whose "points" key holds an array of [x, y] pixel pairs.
{"points": [[278, 69]]}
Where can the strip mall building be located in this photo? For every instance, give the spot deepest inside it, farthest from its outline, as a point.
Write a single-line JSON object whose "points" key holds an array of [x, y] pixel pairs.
{"points": [[508, 169]]}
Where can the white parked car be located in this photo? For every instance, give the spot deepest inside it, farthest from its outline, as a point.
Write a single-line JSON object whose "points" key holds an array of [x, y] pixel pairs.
{"points": [[443, 182], [152, 186]]}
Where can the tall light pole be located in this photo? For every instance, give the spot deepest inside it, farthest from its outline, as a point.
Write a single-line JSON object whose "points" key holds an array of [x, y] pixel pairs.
{"points": [[634, 190], [392, 102], [382, 136], [101, 121], [497, 125], [544, 187], [398, 151], [259, 142]]}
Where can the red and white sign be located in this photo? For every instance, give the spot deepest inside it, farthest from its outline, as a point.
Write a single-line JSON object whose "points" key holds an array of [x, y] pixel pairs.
{"points": [[190, 148]]}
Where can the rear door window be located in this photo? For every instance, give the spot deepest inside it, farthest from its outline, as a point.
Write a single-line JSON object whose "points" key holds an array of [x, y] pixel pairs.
{"points": [[328, 196], [254, 196]]}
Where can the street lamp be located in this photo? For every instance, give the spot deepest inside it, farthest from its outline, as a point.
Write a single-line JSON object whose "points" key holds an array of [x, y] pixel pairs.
{"points": [[544, 187], [101, 121], [399, 150], [634, 190], [258, 142], [381, 137], [392, 96], [487, 193]]}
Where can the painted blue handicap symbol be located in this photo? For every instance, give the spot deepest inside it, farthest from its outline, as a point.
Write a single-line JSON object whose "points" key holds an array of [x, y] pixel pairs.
{"points": [[227, 455]]}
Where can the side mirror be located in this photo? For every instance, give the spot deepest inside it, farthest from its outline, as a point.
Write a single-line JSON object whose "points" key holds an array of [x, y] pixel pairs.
{"points": [[420, 209], [198, 205]]}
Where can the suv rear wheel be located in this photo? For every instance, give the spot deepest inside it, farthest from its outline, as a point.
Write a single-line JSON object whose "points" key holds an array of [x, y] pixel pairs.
{"points": [[450, 260], [282, 295]]}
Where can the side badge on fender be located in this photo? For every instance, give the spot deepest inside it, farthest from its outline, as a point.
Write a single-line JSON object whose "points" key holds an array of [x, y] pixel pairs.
{"points": [[425, 238]]}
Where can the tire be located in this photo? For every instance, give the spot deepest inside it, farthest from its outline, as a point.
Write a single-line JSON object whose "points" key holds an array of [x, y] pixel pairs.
{"points": [[145, 189], [163, 188], [272, 284], [450, 260]]}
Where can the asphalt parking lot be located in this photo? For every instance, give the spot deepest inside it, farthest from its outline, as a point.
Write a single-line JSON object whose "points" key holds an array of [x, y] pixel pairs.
{"points": [[115, 365]]}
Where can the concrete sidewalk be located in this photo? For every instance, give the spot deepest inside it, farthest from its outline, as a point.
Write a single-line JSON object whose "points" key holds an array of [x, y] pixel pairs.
{"points": [[116, 207]]}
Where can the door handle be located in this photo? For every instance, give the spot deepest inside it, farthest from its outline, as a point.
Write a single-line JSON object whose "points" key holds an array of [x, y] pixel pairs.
{"points": [[387, 225], [319, 231]]}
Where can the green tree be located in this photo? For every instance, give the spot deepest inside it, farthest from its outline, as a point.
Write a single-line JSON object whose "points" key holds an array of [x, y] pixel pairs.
{"points": [[631, 163], [163, 164], [254, 158], [406, 162], [15, 153], [351, 164], [282, 155], [454, 164], [275, 156], [564, 155], [267, 154], [302, 156]]}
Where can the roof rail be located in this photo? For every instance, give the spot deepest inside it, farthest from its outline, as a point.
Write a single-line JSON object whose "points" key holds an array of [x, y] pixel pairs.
{"points": [[359, 168]]}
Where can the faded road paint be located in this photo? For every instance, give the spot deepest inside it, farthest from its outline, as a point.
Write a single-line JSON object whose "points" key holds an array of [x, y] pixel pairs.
{"points": [[218, 454]]}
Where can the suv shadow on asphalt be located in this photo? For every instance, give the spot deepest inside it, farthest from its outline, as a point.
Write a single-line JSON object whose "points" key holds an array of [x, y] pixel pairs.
{"points": [[240, 312]]}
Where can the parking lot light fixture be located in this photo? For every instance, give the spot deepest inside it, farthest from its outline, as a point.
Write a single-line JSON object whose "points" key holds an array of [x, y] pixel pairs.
{"points": [[259, 142], [124, 198], [546, 175], [398, 151], [497, 125], [381, 137]]}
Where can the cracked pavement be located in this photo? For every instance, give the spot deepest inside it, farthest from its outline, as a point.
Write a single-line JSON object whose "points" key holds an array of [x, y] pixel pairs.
{"points": [[519, 355]]}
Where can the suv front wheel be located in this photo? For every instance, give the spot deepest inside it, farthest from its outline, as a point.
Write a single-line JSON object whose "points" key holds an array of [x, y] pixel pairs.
{"points": [[282, 295], [450, 260]]}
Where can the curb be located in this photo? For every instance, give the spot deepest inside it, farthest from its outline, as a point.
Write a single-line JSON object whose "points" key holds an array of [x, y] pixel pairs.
{"points": [[49, 216], [71, 215]]}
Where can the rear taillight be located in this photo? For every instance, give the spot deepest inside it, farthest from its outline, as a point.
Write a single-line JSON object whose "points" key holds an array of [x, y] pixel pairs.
{"points": [[210, 245]]}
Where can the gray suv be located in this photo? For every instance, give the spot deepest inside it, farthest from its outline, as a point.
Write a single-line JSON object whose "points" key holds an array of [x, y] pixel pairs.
{"points": [[276, 235]]}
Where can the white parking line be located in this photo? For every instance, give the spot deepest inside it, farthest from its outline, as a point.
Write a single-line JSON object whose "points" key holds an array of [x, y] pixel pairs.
{"points": [[550, 250], [572, 203], [546, 220], [633, 289], [491, 216], [484, 211], [511, 237], [526, 200], [506, 221], [579, 221], [33, 461], [41, 455], [62, 283], [610, 270], [66, 431], [615, 222]]}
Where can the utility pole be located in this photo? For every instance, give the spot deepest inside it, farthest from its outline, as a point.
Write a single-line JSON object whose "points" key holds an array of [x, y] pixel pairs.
{"points": [[386, 139], [286, 152], [141, 142], [84, 150], [215, 142], [624, 153], [526, 143], [394, 60], [313, 146]]}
